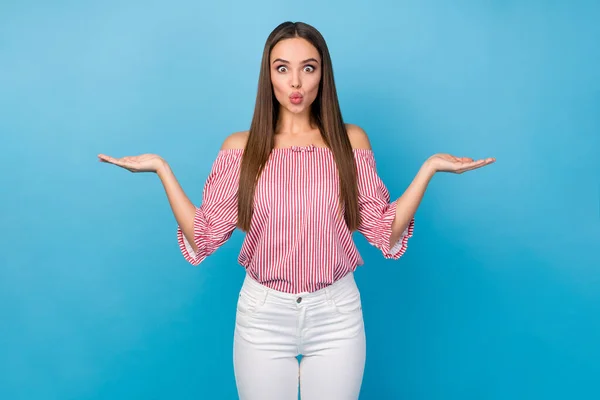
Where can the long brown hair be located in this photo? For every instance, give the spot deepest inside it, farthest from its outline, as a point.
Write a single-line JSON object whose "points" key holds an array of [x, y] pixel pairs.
{"points": [[325, 113]]}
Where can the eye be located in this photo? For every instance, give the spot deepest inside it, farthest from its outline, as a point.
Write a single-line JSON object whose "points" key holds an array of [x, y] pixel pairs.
{"points": [[282, 68], [309, 68]]}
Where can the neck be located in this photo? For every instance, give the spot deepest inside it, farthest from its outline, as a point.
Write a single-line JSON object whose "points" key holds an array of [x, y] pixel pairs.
{"points": [[293, 124]]}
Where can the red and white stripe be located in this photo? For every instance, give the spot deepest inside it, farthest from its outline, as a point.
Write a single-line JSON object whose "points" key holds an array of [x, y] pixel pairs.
{"points": [[298, 241]]}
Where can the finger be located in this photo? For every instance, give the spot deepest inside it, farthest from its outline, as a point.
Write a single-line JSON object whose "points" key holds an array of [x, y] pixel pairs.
{"points": [[116, 161], [471, 165], [465, 162], [477, 164], [486, 161], [106, 158]]}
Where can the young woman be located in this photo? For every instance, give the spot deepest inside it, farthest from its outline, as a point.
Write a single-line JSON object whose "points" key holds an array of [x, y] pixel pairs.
{"points": [[299, 182]]}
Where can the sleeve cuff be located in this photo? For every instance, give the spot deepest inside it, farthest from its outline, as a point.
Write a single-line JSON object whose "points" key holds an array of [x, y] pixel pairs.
{"points": [[401, 245], [399, 248], [185, 246]]}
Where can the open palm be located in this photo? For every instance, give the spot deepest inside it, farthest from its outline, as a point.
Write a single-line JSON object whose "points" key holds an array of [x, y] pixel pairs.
{"points": [[141, 163], [449, 163]]}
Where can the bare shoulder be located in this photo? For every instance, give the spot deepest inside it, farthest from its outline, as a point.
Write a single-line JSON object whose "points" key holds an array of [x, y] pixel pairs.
{"points": [[358, 137], [236, 140]]}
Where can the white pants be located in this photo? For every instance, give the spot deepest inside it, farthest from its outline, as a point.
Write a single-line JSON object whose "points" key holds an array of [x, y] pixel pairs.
{"points": [[325, 327]]}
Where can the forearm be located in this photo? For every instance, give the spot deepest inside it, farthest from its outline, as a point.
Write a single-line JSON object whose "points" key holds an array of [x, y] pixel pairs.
{"points": [[183, 209], [409, 202]]}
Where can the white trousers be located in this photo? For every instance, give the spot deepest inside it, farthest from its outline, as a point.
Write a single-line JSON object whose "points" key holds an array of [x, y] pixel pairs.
{"points": [[325, 327]]}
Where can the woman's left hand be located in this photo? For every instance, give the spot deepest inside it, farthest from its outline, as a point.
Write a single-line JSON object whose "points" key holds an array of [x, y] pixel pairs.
{"points": [[449, 163]]}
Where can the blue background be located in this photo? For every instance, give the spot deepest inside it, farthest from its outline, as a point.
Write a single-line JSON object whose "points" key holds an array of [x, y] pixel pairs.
{"points": [[498, 295]]}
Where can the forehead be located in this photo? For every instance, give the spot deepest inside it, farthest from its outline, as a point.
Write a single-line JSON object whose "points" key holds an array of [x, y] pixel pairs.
{"points": [[294, 50]]}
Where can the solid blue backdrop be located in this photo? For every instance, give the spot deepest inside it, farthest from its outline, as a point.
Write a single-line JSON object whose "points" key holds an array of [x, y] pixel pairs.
{"points": [[498, 295]]}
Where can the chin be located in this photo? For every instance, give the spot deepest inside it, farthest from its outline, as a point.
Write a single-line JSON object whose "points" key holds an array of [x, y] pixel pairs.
{"points": [[298, 109]]}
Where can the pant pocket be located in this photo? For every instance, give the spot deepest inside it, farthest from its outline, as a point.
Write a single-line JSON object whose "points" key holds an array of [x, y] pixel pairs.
{"points": [[348, 303], [247, 304]]}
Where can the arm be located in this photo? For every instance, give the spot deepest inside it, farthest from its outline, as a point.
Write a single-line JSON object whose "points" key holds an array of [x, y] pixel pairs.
{"points": [[397, 227], [182, 207], [207, 226], [408, 203], [377, 213]]}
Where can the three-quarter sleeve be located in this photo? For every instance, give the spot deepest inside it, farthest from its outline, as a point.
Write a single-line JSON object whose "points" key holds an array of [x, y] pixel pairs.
{"points": [[216, 218], [376, 211]]}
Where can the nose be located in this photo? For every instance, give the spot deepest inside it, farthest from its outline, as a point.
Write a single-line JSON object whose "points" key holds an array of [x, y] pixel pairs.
{"points": [[296, 83]]}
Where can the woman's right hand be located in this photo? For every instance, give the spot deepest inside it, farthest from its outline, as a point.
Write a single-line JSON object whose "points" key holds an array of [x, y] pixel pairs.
{"points": [[141, 163]]}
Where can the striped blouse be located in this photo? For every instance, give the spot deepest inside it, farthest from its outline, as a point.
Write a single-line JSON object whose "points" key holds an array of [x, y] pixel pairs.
{"points": [[298, 241]]}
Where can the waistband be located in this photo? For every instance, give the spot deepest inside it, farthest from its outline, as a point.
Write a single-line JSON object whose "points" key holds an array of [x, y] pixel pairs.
{"points": [[262, 292]]}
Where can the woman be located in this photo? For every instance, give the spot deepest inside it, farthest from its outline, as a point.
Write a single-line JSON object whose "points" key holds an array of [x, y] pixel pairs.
{"points": [[299, 182]]}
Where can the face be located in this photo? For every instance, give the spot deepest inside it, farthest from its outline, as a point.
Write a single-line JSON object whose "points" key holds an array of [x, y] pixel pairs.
{"points": [[295, 74]]}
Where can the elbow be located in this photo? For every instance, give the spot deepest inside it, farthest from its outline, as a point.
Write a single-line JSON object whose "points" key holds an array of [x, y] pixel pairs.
{"points": [[189, 246], [399, 241], [191, 242]]}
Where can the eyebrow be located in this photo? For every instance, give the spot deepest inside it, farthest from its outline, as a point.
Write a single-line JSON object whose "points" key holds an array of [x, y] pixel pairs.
{"points": [[287, 62]]}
